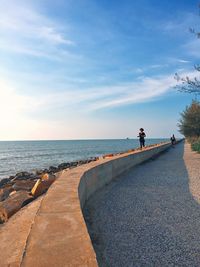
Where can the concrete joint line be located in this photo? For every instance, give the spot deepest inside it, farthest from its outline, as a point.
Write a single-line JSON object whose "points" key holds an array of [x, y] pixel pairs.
{"points": [[28, 236]]}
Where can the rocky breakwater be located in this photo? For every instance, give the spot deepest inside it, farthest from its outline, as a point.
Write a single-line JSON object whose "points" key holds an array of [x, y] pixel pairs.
{"points": [[19, 190]]}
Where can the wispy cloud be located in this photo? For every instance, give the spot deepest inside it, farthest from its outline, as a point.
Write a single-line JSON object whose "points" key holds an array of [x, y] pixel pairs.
{"points": [[183, 61], [144, 90], [147, 89], [138, 70], [149, 67], [24, 30], [18, 124], [174, 61]]}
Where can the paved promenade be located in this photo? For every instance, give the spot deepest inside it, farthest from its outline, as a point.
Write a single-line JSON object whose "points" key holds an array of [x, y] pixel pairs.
{"points": [[151, 215]]}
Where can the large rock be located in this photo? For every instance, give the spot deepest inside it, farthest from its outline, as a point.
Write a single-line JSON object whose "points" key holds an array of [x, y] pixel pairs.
{"points": [[26, 185], [12, 193], [4, 192], [64, 165], [41, 172], [74, 163], [42, 185], [13, 203], [83, 161], [22, 175], [53, 169], [48, 176], [4, 181]]}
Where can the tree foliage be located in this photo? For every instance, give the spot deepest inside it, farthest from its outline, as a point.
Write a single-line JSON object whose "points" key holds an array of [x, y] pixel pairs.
{"points": [[187, 84], [189, 124]]}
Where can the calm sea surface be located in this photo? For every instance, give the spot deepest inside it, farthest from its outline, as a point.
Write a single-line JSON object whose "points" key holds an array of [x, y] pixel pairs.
{"points": [[18, 156]]}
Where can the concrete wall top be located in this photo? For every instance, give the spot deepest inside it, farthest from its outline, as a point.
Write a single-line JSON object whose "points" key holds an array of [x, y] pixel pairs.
{"points": [[58, 236]]}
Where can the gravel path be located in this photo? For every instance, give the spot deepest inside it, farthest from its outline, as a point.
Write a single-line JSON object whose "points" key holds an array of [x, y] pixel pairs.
{"points": [[151, 215]]}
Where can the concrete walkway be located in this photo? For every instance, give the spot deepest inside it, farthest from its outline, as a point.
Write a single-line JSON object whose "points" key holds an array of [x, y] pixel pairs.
{"points": [[151, 215]]}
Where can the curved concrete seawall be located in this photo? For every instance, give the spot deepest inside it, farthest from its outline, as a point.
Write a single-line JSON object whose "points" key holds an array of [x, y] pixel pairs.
{"points": [[57, 235]]}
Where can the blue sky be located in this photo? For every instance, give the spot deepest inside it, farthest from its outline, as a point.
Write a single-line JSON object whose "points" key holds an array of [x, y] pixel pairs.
{"points": [[94, 69]]}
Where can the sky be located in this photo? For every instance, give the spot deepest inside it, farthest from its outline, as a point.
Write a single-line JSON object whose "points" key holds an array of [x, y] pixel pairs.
{"points": [[89, 69]]}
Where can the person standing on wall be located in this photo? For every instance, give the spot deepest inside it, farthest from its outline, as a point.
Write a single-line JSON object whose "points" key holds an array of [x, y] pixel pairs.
{"points": [[173, 140], [141, 136]]}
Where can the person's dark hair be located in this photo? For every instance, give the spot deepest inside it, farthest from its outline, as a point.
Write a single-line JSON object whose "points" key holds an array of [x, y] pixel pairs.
{"points": [[141, 129]]}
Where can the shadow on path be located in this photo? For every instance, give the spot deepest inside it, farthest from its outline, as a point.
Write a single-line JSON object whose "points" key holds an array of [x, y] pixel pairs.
{"points": [[147, 217]]}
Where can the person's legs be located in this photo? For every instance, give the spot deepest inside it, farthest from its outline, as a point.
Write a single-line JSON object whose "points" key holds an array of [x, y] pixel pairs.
{"points": [[143, 143], [140, 144]]}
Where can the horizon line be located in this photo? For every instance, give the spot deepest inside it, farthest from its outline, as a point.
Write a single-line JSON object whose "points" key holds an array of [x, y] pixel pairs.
{"points": [[84, 139]]}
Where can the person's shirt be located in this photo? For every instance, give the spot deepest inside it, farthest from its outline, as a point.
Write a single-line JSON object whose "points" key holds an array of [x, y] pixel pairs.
{"points": [[142, 135]]}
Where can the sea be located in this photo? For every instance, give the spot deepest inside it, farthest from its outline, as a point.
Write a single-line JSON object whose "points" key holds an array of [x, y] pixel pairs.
{"points": [[17, 156]]}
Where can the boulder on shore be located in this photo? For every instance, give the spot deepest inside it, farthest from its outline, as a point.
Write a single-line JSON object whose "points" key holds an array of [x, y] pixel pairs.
{"points": [[48, 176], [43, 184], [13, 203], [22, 175], [53, 169], [4, 192], [26, 185], [4, 181]]}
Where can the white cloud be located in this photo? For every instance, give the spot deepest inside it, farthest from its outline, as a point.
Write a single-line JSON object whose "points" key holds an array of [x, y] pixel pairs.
{"points": [[95, 98], [149, 67], [33, 117], [50, 34], [183, 61], [147, 89], [157, 66], [138, 70], [24, 30], [144, 90]]}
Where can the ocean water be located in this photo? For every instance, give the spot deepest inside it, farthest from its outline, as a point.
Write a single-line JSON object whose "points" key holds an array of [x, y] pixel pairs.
{"points": [[16, 156]]}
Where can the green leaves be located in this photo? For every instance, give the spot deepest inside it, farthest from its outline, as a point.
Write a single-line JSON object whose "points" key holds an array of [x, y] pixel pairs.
{"points": [[189, 124]]}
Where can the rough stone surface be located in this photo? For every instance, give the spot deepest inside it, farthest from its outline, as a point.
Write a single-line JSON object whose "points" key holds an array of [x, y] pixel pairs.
{"points": [[151, 215], [41, 187], [13, 204], [22, 175], [4, 193], [26, 185], [4, 181]]}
